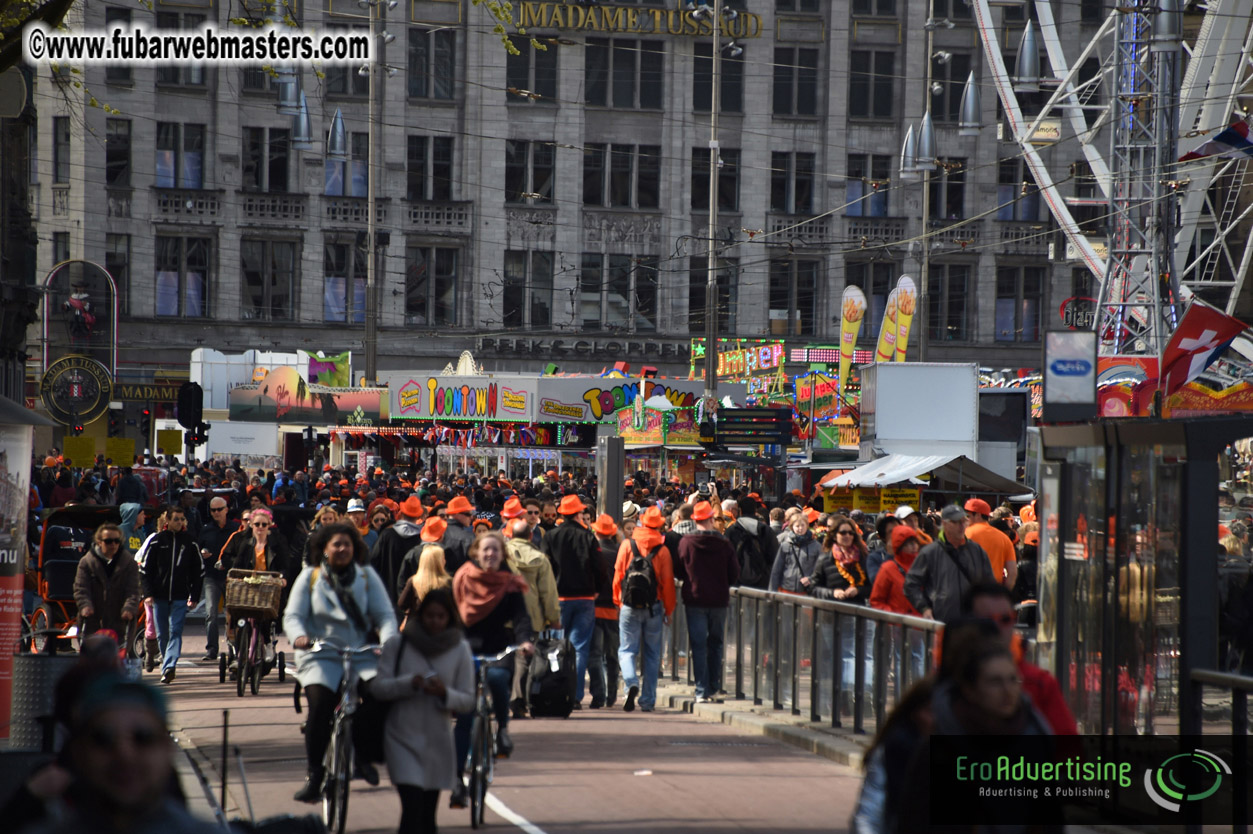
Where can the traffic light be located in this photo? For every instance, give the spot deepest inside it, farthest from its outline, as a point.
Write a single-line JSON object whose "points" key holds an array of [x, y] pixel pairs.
{"points": [[115, 423], [145, 423]]}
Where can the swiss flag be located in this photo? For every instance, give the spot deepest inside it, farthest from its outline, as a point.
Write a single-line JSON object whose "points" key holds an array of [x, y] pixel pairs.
{"points": [[1203, 334]]}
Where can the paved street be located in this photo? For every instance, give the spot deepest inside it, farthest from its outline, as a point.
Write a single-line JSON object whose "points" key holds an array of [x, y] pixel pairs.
{"points": [[599, 771]]}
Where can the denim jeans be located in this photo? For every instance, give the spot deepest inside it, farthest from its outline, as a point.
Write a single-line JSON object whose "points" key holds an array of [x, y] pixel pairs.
{"points": [[640, 630], [498, 679], [213, 592], [706, 628], [578, 619], [602, 665], [170, 615]]}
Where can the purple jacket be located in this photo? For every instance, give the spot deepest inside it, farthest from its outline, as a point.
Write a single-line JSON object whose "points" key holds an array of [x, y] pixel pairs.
{"points": [[710, 567]]}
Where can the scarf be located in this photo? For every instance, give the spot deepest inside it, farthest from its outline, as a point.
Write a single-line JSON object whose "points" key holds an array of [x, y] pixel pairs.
{"points": [[478, 591], [845, 555], [430, 645]]}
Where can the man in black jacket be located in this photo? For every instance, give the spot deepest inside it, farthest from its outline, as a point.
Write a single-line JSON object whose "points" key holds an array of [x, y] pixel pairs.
{"points": [[394, 542], [573, 550], [944, 570], [213, 536], [460, 533], [171, 574]]}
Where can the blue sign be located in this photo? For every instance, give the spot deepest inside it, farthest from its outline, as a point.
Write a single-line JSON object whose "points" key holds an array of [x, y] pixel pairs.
{"points": [[1071, 367]]}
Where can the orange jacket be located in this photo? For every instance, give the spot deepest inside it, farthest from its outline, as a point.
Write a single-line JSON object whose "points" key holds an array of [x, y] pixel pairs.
{"points": [[646, 539]]}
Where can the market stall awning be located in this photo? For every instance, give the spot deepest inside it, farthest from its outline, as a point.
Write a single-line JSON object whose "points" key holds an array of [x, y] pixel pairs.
{"points": [[954, 473]]}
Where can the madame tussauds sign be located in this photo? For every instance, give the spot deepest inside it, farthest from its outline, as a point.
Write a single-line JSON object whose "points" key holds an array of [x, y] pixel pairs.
{"points": [[631, 20]]}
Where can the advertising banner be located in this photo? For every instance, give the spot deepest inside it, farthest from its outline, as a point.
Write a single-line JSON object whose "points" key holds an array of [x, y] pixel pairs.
{"points": [[597, 399], [890, 499], [885, 349], [906, 307], [826, 389], [120, 450], [15, 449], [479, 399], [335, 371], [852, 312], [676, 428], [284, 396]]}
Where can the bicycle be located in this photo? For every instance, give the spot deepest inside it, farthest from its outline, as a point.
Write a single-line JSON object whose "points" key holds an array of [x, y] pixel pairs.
{"points": [[253, 597], [338, 760], [480, 761]]}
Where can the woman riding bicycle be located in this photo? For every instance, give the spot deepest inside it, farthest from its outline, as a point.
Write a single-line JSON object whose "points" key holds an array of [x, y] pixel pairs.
{"points": [[489, 598], [341, 600], [258, 545]]}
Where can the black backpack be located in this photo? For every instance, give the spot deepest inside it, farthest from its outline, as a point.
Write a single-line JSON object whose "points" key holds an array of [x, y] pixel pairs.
{"points": [[754, 566], [639, 586]]}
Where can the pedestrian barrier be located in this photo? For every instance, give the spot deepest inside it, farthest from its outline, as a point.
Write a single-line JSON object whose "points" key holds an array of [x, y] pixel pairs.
{"points": [[798, 653], [1218, 696]]}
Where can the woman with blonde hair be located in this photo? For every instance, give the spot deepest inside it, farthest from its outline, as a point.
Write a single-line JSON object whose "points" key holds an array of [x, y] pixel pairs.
{"points": [[431, 575], [324, 516]]}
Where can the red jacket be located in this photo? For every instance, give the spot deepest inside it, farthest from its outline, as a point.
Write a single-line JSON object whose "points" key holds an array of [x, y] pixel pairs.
{"points": [[888, 593], [1046, 694]]}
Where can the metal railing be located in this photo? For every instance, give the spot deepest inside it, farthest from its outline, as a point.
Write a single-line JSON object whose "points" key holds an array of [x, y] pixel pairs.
{"points": [[1208, 719], [818, 658]]}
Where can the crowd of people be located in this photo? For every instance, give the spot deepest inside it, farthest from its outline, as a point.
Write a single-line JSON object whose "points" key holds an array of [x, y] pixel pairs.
{"points": [[439, 567]]}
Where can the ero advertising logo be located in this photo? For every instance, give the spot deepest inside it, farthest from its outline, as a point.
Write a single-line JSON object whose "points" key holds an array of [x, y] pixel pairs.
{"points": [[1186, 777]]}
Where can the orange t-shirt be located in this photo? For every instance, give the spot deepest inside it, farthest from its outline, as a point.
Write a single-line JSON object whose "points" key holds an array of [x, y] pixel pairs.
{"points": [[999, 548], [260, 552]]}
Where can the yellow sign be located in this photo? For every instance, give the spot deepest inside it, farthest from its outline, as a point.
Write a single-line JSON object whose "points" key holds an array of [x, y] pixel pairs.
{"points": [[866, 499], [120, 450], [831, 500], [169, 441], [630, 20], [81, 451], [890, 499]]}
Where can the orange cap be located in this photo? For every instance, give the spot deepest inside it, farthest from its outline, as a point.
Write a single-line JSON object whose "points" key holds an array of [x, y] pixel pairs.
{"points": [[1032, 538], [811, 515], [978, 505]]}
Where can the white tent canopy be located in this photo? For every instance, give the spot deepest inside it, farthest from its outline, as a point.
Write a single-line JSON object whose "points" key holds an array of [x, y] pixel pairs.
{"points": [[956, 471]]}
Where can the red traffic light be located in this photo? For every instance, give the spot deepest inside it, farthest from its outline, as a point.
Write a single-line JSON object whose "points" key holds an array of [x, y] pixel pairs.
{"points": [[146, 412]]}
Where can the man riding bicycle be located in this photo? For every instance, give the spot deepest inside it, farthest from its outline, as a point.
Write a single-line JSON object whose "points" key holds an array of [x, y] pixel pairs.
{"points": [[342, 600]]}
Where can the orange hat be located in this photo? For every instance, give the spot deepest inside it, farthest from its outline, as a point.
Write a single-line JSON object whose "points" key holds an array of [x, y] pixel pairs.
{"points": [[513, 508], [326, 468], [378, 470], [482, 524], [391, 505], [412, 507], [434, 529], [903, 533], [605, 525], [811, 515], [552, 473], [702, 511], [978, 505], [50, 461], [798, 493], [653, 519], [1223, 531], [754, 496], [1032, 538], [629, 482], [571, 505], [459, 505]]}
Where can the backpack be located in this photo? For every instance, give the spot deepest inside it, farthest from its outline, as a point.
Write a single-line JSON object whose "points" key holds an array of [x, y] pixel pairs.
{"points": [[754, 566], [639, 586]]}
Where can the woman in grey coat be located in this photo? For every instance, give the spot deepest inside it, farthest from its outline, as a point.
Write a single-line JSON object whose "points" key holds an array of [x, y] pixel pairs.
{"points": [[340, 599], [798, 553], [427, 673]]}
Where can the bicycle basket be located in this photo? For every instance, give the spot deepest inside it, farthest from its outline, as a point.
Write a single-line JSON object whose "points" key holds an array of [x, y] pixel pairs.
{"points": [[252, 593]]}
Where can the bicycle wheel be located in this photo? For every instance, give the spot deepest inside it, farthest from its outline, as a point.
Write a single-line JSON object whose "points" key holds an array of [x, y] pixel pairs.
{"points": [[338, 777], [222, 667], [242, 657], [282, 667], [480, 757], [254, 680]]}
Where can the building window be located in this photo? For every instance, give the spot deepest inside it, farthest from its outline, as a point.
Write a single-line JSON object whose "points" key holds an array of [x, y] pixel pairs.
{"points": [[792, 183], [187, 73], [528, 292], [117, 153], [948, 302], [60, 247], [183, 276], [621, 175], [61, 149], [728, 179], [866, 194], [948, 190], [117, 261], [1019, 290], [946, 107], [269, 279], [266, 154], [793, 296], [180, 155], [618, 293], [871, 84], [731, 84], [795, 81], [351, 178], [876, 280], [347, 80], [1083, 283], [529, 171], [259, 80], [531, 71], [727, 278], [431, 286], [796, 5], [954, 9], [1017, 195], [429, 168], [117, 17], [432, 63], [875, 8], [626, 74], [1091, 11], [344, 270]]}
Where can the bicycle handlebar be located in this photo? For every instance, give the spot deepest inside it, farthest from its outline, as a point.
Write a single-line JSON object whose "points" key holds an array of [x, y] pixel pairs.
{"points": [[330, 645], [490, 658]]}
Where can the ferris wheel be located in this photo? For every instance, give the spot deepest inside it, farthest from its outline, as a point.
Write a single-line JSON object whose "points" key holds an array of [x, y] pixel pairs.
{"points": [[1157, 229]]}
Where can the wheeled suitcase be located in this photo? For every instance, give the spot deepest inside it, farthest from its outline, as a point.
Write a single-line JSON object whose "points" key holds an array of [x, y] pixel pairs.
{"points": [[553, 677]]}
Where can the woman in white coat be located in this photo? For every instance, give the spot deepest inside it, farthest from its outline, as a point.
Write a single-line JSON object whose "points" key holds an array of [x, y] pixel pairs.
{"points": [[432, 680], [340, 599]]}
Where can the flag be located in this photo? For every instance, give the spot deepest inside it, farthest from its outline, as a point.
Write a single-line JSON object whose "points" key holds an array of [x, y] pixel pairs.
{"points": [[1203, 334], [1232, 141]]}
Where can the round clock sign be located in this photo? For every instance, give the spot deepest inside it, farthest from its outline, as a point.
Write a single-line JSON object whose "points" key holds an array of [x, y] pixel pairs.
{"points": [[76, 390]]}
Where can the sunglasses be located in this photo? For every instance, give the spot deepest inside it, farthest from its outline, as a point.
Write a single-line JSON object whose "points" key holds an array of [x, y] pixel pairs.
{"points": [[844, 532], [110, 541], [107, 738], [217, 509], [260, 524]]}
